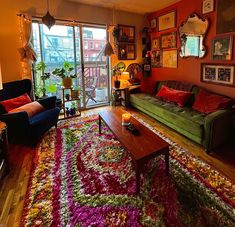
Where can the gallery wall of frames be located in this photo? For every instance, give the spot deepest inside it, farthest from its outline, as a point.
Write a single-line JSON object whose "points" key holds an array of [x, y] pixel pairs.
{"points": [[215, 70]]}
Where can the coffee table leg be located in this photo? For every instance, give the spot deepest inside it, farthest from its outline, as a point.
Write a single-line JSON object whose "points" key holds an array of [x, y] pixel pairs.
{"points": [[167, 162], [99, 124]]}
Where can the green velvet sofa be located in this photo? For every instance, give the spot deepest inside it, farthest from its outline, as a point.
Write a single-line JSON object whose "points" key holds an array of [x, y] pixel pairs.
{"points": [[211, 130]]}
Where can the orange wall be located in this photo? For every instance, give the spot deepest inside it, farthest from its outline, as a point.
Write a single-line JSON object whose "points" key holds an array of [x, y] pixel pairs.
{"points": [[189, 68], [9, 29]]}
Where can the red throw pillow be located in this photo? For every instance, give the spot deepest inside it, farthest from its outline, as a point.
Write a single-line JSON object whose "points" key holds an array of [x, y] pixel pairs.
{"points": [[172, 95], [11, 104], [32, 108], [206, 102]]}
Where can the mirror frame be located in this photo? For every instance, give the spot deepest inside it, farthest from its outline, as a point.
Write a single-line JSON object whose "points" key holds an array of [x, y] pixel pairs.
{"points": [[203, 36]]}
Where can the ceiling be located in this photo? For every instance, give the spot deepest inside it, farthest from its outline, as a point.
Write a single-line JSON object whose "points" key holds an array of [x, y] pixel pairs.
{"points": [[134, 6]]}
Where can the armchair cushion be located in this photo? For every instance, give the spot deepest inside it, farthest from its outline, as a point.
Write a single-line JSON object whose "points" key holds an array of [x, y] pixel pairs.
{"points": [[13, 103], [31, 109]]}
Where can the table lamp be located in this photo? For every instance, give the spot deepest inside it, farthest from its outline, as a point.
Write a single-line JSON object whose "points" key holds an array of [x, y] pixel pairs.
{"points": [[125, 76]]}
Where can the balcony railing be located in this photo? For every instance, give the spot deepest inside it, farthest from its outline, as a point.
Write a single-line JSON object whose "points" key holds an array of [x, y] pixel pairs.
{"points": [[95, 77]]}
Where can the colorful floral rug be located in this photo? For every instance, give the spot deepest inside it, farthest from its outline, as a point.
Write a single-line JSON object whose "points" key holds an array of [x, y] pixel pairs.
{"points": [[81, 178]]}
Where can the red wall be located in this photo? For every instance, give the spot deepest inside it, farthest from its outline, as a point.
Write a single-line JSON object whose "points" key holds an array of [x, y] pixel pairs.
{"points": [[189, 68]]}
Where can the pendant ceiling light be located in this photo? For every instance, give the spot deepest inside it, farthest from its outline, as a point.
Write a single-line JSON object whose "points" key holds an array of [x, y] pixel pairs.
{"points": [[48, 20], [108, 49]]}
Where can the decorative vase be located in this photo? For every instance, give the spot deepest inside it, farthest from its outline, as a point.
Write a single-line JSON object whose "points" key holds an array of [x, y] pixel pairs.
{"points": [[67, 82], [117, 83], [67, 112], [71, 112]]}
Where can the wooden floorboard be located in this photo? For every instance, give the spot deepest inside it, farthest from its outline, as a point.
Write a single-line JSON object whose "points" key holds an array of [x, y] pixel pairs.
{"points": [[14, 186]]}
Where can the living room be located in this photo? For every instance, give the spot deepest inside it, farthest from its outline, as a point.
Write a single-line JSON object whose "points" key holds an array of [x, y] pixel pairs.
{"points": [[84, 171]]}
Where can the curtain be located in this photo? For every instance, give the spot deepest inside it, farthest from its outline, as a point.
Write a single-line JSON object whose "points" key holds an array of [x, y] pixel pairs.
{"points": [[26, 51]]}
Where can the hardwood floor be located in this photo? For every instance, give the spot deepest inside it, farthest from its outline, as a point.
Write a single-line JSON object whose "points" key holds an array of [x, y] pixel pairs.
{"points": [[14, 186]]}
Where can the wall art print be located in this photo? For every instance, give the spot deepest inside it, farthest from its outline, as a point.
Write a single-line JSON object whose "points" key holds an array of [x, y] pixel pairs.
{"points": [[207, 6], [225, 16], [222, 48], [155, 44], [153, 23], [126, 51], [169, 58], [168, 40], [126, 33], [156, 59], [166, 21], [217, 74]]}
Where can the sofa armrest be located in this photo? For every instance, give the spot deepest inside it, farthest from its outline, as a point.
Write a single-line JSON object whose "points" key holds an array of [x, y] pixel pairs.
{"points": [[134, 89], [48, 103], [217, 128]]}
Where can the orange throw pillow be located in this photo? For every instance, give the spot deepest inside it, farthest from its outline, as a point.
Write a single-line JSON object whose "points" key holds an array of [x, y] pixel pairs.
{"points": [[32, 108], [11, 104]]}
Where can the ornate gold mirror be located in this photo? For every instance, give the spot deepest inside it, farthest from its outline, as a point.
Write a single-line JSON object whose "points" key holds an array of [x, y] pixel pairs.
{"points": [[192, 33]]}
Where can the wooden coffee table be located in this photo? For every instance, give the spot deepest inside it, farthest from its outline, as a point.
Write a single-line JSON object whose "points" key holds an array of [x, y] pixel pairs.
{"points": [[142, 147]]}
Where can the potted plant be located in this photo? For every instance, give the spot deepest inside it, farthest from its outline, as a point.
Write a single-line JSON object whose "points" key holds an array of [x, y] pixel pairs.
{"points": [[116, 72], [66, 74], [41, 67]]}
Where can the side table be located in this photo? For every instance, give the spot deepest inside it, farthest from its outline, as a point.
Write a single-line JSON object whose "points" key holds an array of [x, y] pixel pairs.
{"points": [[4, 166], [122, 94]]}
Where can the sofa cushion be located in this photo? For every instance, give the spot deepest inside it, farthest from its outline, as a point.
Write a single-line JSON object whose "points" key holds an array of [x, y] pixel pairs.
{"points": [[32, 108], [172, 95], [11, 104], [174, 84], [207, 102]]}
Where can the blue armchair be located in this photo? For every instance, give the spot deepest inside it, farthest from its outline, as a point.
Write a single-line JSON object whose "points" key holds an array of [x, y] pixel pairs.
{"points": [[21, 128]]}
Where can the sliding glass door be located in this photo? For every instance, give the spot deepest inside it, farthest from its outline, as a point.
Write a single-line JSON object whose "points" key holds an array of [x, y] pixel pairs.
{"points": [[95, 65], [79, 46]]}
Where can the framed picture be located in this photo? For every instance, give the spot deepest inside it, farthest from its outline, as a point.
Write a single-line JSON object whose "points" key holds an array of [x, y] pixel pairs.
{"points": [[147, 67], [156, 44], [126, 33], [222, 48], [169, 58], [207, 6], [217, 74], [153, 23], [225, 16], [166, 21], [168, 40], [156, 59], [126, 51]]}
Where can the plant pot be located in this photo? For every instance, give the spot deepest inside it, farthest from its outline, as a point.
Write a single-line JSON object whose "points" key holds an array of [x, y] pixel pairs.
{"points": [[67, 96], [74, 94], [117, 83], [67, 82]]}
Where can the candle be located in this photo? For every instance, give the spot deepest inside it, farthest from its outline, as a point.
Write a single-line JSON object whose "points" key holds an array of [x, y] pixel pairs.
{"points": [[126, 117]]}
